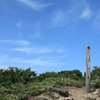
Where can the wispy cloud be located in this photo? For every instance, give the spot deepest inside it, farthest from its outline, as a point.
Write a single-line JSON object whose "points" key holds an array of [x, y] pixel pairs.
{"points": [[37, 32], [40, 62], [34, 4], [3, 56], [19, 24], [31, 50], [29, 62], [96, 23], [26, 47], [62, 18], [76, 11], [60, 50], [18, 42], [63, 56], [20, 34], [2, 66], [4, 4], [86, 14], [59, 18]]}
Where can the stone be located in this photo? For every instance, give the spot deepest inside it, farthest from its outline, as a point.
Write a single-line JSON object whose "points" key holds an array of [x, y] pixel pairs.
{"points": [[56, 95], [67, 98], [62, 92]]}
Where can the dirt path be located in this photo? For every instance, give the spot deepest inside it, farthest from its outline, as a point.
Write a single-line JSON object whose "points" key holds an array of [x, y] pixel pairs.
{"points": [[75, 92], [80, 93]]}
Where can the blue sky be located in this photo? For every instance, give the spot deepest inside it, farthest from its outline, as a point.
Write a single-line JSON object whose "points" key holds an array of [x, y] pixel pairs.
{"points": [[49, 35]]}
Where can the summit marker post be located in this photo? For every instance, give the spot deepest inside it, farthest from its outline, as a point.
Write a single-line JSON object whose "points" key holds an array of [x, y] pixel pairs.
{"points": [[87, 69]]}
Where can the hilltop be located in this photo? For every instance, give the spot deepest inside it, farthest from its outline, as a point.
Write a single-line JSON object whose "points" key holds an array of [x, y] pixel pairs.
{"points": [[19, 84]]}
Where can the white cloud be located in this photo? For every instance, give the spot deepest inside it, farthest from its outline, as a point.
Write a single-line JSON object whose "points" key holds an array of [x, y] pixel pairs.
{"points": [[29, 62], [18, 42], [2, 66], [59, 18], [4, 4], [3, 56], [31, 50], [60, 50], [20, 35], [63, 56], [75, 11], [37, 32], [86, 14], [34, 5], [96, 23], [40, 62], [19, 24]]}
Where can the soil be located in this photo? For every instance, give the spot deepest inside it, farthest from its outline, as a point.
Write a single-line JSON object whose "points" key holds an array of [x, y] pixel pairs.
{"points": [[80, 93], [75, 92]]}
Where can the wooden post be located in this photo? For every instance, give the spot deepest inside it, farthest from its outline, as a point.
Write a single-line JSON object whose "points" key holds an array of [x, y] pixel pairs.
{"points": [[87, 69]]}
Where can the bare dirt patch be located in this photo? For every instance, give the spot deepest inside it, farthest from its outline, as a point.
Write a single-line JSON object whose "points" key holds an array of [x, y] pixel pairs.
{"points": [[74, 92]]}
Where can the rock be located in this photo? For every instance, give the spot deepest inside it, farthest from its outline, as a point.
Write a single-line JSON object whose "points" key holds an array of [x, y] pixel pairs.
{"points": [[67, 98], [72, 93], [98, 99], [90, 98], [62, 92], [45, 97], [56, 95], [97, 91], [39, 98]]}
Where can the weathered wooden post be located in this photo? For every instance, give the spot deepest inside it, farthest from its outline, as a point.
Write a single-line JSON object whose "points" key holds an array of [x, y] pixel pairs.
{"points": [[87, 69]]}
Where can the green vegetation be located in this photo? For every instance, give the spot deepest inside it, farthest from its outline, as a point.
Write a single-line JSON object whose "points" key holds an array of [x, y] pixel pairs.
{"points": [[17, 84]]}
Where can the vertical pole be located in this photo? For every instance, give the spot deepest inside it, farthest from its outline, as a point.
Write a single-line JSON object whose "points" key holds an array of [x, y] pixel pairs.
{"points": [[87, 69]]}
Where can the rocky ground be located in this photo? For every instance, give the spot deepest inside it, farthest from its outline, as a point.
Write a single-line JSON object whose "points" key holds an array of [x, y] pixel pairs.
{"points": [[68, 93]]}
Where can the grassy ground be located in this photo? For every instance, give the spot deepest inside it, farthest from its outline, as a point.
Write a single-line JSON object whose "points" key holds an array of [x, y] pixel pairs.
{"points": [[19, 91]]}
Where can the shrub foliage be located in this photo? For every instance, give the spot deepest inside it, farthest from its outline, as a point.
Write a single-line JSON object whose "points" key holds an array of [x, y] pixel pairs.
{"points": [[16, 83]]}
